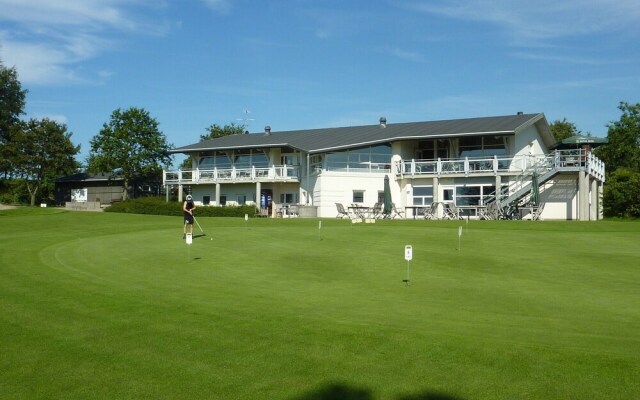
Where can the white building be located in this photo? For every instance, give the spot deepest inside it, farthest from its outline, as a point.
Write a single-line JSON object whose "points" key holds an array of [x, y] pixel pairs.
{"points": [[455, 162]]}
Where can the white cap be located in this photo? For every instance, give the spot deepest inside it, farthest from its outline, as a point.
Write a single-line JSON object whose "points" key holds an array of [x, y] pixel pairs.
{"points": [[189, 197]]}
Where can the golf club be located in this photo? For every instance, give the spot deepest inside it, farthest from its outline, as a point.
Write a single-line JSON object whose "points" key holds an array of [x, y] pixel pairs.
{"points": [[197, 223]]}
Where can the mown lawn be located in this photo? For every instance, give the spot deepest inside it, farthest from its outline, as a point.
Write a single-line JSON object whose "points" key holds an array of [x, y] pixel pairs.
{"points": [[114, 306]]}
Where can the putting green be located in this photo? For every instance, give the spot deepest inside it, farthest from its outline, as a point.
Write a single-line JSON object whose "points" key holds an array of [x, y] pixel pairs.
{"points": [[108, 305]]}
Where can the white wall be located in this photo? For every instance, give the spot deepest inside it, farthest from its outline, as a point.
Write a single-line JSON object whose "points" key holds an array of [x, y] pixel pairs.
{"points": [[560, 198], [338, 187]]}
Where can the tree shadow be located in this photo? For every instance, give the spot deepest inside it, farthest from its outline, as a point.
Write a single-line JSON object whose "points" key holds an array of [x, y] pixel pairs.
{"points": [[337, 391], [341, 391]]}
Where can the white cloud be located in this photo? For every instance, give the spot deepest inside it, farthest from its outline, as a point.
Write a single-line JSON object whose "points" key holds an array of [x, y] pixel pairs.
{"points": [[221, 6], [540, 20], [48, 40]]}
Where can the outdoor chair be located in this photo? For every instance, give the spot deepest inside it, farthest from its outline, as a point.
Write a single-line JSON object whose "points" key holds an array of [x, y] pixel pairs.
{"points": [[536, 211], [342, 212], [431, 212], [395, 212], [376, 211], [451, 212]]}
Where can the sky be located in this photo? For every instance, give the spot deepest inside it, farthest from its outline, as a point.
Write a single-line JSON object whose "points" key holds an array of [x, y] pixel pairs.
{"points": [[304, 64]]}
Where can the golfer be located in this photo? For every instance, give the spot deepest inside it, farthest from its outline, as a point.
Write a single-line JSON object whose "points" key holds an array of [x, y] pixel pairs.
{"points": [[187, 209]]}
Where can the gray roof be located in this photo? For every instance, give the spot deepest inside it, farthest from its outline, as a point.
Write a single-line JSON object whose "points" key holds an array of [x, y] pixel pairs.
{"points": [[327, 139]]}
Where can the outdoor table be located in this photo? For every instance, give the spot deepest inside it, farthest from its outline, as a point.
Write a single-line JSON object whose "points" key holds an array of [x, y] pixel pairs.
{"points": [[415, 211], [360, 211]]}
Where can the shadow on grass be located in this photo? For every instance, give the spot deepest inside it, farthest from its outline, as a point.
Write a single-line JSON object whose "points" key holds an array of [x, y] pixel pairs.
{"points": [[340, 391]]}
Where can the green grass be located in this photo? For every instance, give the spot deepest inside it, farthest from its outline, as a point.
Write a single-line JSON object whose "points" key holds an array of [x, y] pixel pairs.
{"points": [[114, 306]]}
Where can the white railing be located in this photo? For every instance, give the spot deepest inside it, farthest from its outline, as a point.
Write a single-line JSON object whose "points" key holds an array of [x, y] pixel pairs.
{"points": [[561, 159], [279, 173]]}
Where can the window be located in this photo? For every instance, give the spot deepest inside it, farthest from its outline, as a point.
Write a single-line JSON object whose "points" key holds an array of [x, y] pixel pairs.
{"points": [[223, 199], [482, 146], [468, 195], [242, 199], [289, 198], [380, 196], [363, 158], [288, 159], [206, 200], [358, 196], [422, 195]]}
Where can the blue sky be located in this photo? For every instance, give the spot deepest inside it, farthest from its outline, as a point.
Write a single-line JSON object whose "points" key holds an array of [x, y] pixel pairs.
{"points": [[303, 64]]}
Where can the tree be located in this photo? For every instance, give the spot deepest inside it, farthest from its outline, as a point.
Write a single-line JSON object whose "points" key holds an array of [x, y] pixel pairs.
{"points": [[622, 194], [215, 131], [132, 143], [621, 156], [45, 153], [563, 129], [12, 102], [623, 147]]}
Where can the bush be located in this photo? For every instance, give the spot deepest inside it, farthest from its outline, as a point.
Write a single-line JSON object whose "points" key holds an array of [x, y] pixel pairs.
{"points": [[159, 206]]}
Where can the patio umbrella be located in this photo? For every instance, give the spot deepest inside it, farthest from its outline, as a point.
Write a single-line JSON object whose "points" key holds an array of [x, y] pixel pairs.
{"points": [[386, 210], [535, 189], [579, 140]]}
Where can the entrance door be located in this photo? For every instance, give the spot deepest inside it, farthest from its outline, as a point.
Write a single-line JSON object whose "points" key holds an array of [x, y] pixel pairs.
{"points": [[266, 199]]}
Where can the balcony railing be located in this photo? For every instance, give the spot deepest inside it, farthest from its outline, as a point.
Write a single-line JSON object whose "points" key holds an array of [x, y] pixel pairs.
{"points": [[560, 159], [276, 173]]}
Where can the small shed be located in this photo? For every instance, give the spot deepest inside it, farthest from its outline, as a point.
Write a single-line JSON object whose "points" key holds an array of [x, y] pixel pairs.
{"points": [[83, 187]]}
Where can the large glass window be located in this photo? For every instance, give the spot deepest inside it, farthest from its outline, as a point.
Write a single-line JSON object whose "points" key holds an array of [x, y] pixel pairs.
{"points": [[473, 195], [482, 146], [364, 158], [259, 159]]}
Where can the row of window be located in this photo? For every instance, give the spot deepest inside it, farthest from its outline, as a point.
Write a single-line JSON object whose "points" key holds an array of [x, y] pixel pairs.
{"points": [[470, 195], [241, 199], [368, 157]]}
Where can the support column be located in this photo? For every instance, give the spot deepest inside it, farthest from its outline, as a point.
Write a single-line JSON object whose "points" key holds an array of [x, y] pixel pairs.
{"points": [[217, 194], [583, 196], [498, 187], [258, 188], [600, 204], [595, 203], [436, 196], [180, 192]]}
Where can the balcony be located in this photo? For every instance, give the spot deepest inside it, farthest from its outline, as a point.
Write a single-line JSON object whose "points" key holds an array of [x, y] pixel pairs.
{"points": [[561, 160], [276, 173]]}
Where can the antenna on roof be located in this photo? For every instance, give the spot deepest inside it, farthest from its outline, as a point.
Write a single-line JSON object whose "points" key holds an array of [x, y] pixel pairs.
{"points": [[246, 119]]}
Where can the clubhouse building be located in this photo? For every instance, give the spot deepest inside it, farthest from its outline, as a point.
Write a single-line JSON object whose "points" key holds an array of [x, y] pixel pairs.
{"points": [[477, 166]]}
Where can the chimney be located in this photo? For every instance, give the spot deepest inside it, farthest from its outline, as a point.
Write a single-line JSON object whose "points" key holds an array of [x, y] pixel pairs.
{"points": [[267, 130], [520, 113], [383, 122]]}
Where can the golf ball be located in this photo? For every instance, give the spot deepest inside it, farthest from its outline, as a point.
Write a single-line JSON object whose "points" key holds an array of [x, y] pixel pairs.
{"points": [[211, 238]]}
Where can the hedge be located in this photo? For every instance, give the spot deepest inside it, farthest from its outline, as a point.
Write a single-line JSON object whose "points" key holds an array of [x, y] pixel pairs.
{"points": [[159, 206]]}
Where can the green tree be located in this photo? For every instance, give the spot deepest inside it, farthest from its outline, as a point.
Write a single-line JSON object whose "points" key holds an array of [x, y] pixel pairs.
{"points": [[216, 131], [623, 147], [621, 156], [622, 194], [12, 102], [45, 153], [130, 142], [563, 129]]}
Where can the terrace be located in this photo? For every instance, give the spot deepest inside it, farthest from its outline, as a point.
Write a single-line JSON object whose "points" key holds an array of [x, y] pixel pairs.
{"points": [[560, 160], [276, 173]]}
